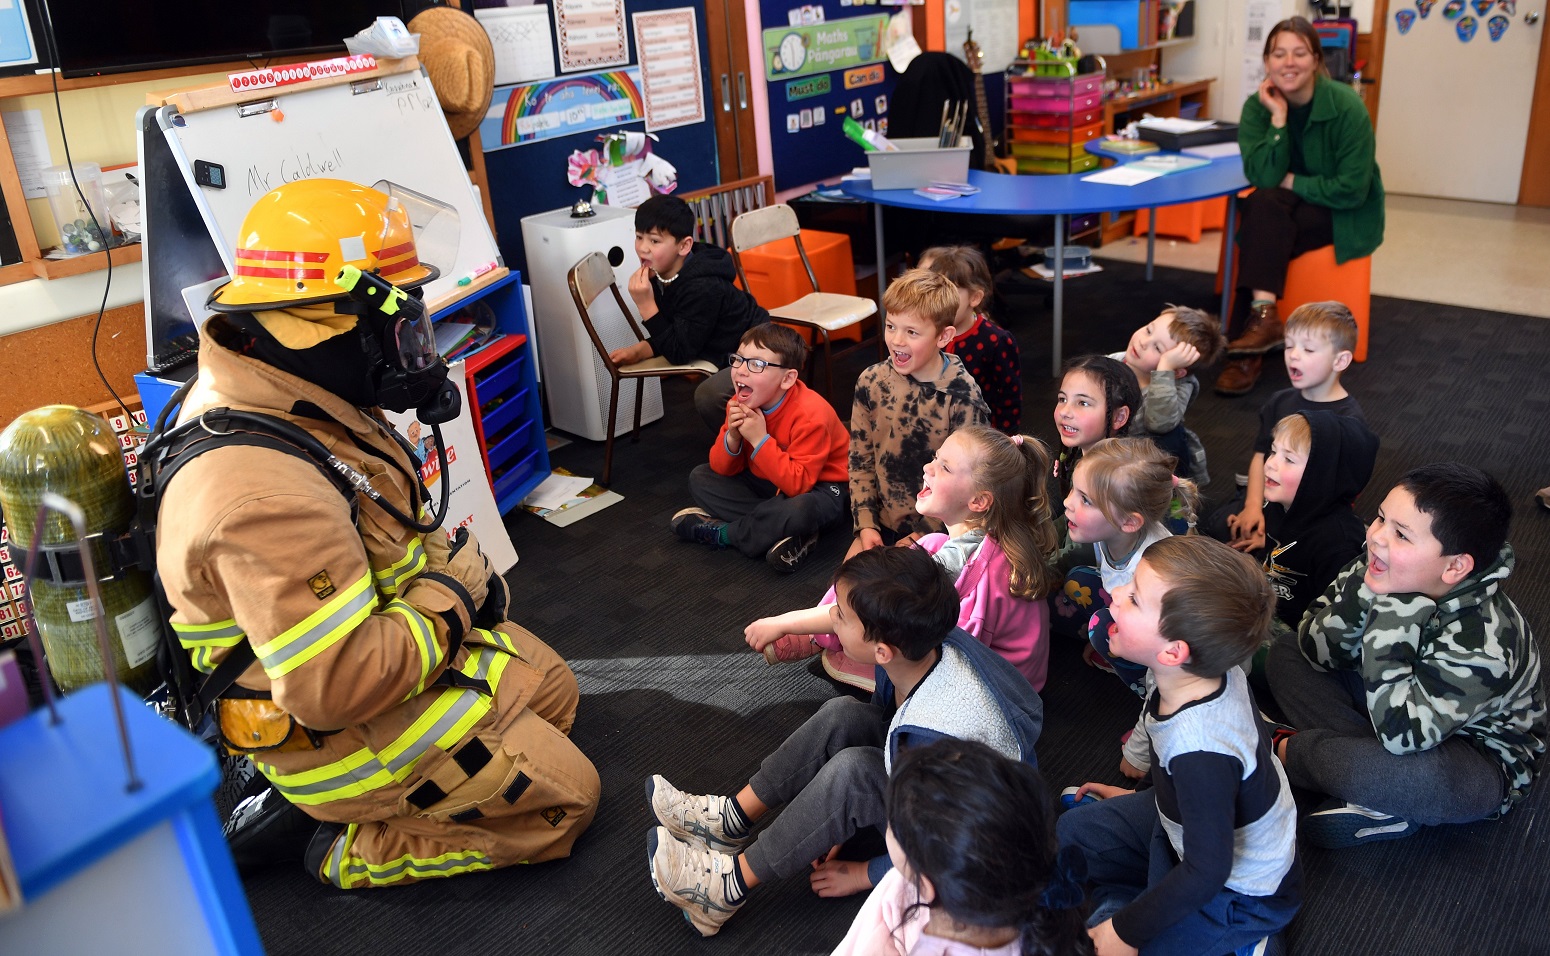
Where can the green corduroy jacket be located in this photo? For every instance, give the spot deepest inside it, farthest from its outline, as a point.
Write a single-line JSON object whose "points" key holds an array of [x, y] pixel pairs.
{"points": [[1337, 149]]}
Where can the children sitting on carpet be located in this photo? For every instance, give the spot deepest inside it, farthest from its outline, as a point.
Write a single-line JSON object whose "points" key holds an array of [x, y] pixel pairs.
{"points": [[895, 610], [1097, 400], [1320, 337], [1161, 354], [905, 407], [988, 351], [1205, 861], [1414, 684], [777, 468], [976, 871], [989, 491], [1122, 492]]}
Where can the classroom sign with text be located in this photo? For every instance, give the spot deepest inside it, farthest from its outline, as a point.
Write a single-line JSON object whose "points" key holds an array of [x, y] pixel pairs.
{"points": [[824, 47]]}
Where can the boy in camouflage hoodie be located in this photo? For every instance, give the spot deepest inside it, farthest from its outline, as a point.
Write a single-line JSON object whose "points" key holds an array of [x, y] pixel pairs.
{"points": [[1414, 681]]}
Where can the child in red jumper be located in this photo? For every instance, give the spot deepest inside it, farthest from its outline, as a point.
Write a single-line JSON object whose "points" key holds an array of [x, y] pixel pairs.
{"points": [[988, 351], [778, 469]]}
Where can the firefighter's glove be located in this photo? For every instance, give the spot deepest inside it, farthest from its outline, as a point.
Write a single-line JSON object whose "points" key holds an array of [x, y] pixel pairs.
{"points": [[493, 611], [461, 566]]}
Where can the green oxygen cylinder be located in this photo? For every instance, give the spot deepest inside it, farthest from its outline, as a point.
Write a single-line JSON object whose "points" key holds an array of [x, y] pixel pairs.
{"points": [[75, 454]]}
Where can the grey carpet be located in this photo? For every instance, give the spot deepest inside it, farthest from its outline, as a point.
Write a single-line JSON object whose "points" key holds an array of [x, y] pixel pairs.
{"points": [[653, 628]]}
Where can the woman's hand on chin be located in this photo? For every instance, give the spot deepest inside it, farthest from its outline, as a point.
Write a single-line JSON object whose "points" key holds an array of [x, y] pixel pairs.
{"points": [[1274, 101]]}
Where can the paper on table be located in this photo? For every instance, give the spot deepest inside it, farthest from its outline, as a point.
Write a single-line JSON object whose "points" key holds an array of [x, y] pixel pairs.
{"points": [[1172, 124], [556, 490], [1213, 150], [1125, 175]]}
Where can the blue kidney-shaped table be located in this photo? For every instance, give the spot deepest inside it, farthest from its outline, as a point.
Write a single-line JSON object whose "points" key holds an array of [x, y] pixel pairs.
{"points": [[1064, 196]]}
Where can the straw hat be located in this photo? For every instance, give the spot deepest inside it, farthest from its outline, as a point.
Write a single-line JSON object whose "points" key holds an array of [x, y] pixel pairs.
{"points": [[456, 52]]}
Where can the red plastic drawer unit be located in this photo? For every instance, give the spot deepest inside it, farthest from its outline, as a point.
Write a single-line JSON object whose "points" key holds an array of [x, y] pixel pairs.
{"points": [[1056, 86], [1076, 120], [1080, 102], [1083, 135]]}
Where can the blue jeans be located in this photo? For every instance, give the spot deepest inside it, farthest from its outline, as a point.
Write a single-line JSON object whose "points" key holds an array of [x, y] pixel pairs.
{"points": [[1127, 851]]}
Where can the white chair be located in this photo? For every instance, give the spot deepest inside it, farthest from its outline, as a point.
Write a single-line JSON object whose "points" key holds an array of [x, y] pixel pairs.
{"points": [[823, 312], [588, 279]]}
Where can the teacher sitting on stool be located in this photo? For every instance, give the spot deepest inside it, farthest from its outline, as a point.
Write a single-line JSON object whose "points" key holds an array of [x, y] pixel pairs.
{"points": [[1307, 145]]}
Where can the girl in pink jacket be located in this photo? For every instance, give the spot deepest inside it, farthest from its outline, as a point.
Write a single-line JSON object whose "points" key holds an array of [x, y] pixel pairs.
{"points": [[988, 489]]}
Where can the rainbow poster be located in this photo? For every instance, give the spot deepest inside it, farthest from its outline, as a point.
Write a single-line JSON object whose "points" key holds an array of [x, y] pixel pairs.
{"points": [[529, 112]]}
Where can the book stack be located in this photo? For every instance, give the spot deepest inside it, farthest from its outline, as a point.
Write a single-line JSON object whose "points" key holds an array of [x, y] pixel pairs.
{"points": [[940, 190]]}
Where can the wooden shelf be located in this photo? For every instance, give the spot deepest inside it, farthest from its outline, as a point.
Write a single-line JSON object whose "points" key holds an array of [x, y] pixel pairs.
{"points": [[30, 83], [79, 265]]}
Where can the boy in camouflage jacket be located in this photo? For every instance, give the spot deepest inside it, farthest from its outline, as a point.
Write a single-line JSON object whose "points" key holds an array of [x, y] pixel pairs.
{"points": [[1414, 682]]}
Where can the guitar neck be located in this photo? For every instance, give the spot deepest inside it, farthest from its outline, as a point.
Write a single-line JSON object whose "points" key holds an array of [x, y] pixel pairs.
{"points": [[983, 110]]}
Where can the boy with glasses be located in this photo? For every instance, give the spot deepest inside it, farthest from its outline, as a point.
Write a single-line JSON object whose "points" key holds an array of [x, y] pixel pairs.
{"points": [[777, 470]]}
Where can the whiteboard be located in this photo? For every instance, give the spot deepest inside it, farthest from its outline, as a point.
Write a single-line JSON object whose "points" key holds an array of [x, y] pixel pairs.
{"points": [[389, 127]]}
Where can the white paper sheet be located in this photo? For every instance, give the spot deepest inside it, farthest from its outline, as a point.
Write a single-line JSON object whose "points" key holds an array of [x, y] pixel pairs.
{"points": [[1213, 150], [29, 148], [523, 42], [1172, 124], [556, 490], [1121, 176]]}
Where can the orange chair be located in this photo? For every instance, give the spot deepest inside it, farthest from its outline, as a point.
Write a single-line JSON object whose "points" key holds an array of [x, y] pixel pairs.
{"points": [[1186, 220], [775, 272], [1314, 277]]}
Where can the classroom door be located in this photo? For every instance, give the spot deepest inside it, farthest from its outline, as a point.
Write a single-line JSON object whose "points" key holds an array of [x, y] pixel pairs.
{"points": [[726, 30], [1457, 93]]}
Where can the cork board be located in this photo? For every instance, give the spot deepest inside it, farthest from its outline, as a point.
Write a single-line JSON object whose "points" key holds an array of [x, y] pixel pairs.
{"points": [[52, 365]]}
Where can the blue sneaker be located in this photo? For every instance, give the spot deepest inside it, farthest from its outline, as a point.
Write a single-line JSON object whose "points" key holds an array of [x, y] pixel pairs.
{"points": [[1337, 824], [696, 526]]}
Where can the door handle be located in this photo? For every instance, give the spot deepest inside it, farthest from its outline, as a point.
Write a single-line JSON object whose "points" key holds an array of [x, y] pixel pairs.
{"points": [[1531, 18], [726, 94], [742, 90]]}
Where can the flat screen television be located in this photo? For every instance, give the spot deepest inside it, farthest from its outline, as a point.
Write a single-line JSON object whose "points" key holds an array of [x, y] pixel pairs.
{"points": [[115, 36]]}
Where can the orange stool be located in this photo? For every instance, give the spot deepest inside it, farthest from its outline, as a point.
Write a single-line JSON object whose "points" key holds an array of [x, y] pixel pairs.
{"points": [[1186, 220], [1314, 277], [775, 273]]}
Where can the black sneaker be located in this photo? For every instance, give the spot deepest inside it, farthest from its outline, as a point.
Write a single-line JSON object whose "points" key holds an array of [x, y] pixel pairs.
{"points": [[319, 848], [696, 526], [1337, 824], [788, 553]]}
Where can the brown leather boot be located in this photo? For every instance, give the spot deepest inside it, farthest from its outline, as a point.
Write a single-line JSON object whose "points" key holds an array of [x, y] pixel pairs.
{"points": [[1239, 375], [1262, 333]]}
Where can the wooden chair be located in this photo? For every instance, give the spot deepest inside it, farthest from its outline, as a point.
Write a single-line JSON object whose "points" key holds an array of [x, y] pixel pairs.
{"points": [[588, 279], [823, 312]]}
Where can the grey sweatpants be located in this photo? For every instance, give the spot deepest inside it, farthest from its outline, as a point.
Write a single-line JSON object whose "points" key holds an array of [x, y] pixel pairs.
{"points": [[829, 776], [758, 516], [1336, 751]]}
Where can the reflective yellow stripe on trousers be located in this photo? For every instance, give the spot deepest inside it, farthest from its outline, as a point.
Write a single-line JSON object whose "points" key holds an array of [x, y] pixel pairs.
{"points": [[346, 870], [443, 724]]}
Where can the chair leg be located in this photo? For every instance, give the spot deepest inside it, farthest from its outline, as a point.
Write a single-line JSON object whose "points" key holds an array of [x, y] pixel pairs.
{"points": [[608, 451], [828, 366], [640, 388]]}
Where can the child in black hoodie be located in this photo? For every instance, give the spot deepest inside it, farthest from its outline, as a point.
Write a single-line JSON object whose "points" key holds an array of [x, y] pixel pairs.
{"points": [[684, 293], [1318, 463]]}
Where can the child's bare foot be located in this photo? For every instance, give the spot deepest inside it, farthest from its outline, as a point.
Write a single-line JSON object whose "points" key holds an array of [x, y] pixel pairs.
{"points": [[791, 647]]}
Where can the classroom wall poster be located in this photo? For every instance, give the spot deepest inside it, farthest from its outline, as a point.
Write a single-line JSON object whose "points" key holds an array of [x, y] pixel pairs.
{"points": [[522, 41], [591, 34], [667, 45], [530, 112], [821, 48]]}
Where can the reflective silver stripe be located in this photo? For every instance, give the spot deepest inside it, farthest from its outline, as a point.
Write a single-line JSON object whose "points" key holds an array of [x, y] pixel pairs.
{"points": [[333, 867], [321, 630], [390, 579], [424, 639]]}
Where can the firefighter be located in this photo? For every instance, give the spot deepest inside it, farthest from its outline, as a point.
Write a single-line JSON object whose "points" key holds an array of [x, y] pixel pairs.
{"points": [[389, 698]]}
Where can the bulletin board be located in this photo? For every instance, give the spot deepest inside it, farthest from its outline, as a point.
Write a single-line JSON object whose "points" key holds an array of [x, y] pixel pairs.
{"points": [[529, 176], [808, 104]]}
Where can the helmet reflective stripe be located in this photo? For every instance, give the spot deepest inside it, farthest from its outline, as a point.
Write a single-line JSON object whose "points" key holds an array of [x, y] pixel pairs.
{"points": [[266, 263]]}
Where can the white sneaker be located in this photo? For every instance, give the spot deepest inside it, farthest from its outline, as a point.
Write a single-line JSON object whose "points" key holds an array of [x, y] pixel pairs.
{"points": [[691, 878], [693, 817]]}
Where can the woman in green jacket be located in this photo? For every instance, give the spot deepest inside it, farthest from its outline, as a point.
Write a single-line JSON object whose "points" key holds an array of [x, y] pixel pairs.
{"points": [[1308, 146]]}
